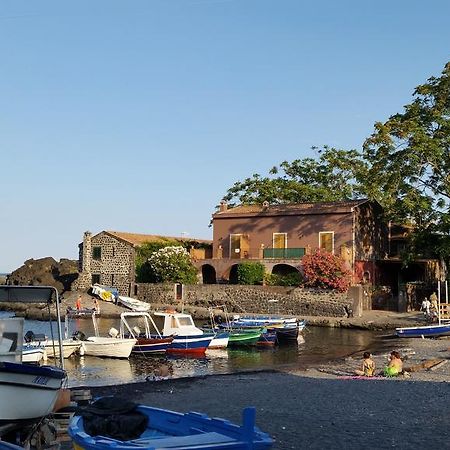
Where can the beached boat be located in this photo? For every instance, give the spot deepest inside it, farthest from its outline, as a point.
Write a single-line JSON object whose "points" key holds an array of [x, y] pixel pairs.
{"points": [[424, 331], [106, 293], [26, 392], [187, 337], [133, 304], [165, 429], [146, 342]]}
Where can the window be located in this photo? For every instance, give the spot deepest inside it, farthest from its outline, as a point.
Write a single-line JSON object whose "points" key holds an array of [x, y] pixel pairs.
{"points": [[235, 246], [326, 241], [95, 278], [279, 240], [97, 252]]}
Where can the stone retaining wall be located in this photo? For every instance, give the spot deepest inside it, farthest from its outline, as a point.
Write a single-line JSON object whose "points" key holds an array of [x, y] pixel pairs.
{"points": [[251, 299]]}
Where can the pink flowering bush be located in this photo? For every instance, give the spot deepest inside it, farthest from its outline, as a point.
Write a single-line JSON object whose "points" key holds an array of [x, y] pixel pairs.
{"points": [[325, 270]]}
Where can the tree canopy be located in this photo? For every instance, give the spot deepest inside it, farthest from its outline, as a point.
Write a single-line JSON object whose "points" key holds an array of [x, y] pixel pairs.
{"points": [[404, 165]]}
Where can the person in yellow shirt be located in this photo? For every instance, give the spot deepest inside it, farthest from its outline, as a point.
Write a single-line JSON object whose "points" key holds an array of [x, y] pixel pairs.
{"points": [[368, 366]]}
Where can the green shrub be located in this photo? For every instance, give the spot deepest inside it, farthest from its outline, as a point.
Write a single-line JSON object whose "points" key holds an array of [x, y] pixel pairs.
{"points": [[250, 273], [290, 279]]}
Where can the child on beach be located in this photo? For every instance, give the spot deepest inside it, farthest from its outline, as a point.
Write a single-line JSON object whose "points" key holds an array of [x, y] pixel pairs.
{"points": [[368, 366], [395, 366]]}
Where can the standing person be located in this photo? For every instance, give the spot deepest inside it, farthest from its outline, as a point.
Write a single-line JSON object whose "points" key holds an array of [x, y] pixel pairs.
{"points": [[395, 365], [96, 306], [368, 366], [78, 303], [426, 304]]}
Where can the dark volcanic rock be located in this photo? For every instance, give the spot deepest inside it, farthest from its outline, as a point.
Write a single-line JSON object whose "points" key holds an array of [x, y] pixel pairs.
{"points": [[46, 272]]}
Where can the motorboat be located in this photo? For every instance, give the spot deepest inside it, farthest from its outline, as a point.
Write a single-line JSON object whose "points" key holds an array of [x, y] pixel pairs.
{"points": [[166, 429], [146, 342], [33, 354], [70, 346], [187, 337], [26, 391], [112, 346]]}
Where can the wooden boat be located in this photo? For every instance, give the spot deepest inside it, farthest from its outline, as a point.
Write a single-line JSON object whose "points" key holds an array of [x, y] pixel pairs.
{"points": [[244, 337], [268, 338], [179, 431], [425, 331], [26, 392], [134, 304], [187, 337], [146, 342]]}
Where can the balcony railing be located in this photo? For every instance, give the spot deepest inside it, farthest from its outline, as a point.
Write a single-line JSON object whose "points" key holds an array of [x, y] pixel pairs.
{"points": [[283, 253]]}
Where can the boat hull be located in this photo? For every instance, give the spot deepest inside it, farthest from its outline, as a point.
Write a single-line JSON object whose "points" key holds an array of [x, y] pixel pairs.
{"points": [[28, 392], [32, 354], [70, 347], [244, 338], [195, 344], [220, 340], [169, 429], [152, 345], [108, 347], [431, 331]]}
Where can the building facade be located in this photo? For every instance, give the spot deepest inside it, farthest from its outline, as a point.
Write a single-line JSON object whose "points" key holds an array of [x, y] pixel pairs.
{"points": [[109, 258]]}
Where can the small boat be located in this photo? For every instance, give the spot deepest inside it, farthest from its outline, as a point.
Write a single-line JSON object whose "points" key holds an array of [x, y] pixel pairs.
{"points": [[268, 338], [187, 337], [173, 430], [106, 293], [51, 346], [146, 342], [244, 337], [425, 331], [82, 312], [112, 346], [33, 354], [26, 391], [134, 304]]}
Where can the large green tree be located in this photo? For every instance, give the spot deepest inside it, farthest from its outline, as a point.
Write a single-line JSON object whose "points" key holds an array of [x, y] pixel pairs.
{"points": [[333, 175], [409, 164]]}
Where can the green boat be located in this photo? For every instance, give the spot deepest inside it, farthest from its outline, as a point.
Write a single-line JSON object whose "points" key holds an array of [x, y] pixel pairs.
{"points": [[244, 337]]}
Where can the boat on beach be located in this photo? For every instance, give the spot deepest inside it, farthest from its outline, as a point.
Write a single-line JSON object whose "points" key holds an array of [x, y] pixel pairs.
{"points": [[134, 304], [165, 429], [26, 391], [424, 331], [146, 342]]}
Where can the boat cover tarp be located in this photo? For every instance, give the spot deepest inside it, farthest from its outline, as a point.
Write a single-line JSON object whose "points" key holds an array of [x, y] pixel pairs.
{"points": [[113, 417], [26, 294]]}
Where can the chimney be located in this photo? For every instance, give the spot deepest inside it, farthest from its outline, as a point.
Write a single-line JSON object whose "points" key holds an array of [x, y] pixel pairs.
{"points": [[223, 206]]}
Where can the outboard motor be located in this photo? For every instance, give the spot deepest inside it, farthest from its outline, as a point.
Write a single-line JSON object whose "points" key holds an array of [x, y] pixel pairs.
{"points": [[79, 336], [29, 336]]}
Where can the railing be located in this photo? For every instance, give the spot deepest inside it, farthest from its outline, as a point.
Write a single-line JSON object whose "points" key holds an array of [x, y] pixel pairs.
{"points": [[283, 253]]}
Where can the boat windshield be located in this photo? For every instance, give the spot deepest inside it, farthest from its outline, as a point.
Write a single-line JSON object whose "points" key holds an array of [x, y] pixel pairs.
{"points": [[185, 321]]}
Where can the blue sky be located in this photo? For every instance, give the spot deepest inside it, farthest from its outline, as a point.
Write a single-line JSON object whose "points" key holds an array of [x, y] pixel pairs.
{"points": [[138, 115]]}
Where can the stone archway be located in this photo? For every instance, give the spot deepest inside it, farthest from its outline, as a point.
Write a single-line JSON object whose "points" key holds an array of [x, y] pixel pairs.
{"points": [[284, 269], [233, 274], [209, 274]]}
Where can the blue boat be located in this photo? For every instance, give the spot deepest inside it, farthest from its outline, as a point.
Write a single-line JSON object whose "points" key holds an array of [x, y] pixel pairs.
{"points": [[426, 331], [167, 429]]}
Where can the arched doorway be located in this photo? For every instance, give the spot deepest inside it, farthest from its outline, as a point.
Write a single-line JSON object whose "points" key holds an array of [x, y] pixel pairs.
{"points": [[209, 274], [284, 269], [233, 277]]}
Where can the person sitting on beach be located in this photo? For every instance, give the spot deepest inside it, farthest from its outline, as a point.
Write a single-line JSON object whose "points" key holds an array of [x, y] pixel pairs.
{"points": [[395, 366], [368, 366]]}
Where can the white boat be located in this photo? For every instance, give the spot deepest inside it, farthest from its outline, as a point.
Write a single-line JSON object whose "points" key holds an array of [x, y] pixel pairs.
{"points": [[33, 354], [27, 392], [134, 304], [108, 347], [70, 347]]}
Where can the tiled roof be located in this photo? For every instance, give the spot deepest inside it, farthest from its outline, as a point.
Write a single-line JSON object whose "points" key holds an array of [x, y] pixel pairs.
{"points": [[138, 239], [293, 208]]}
